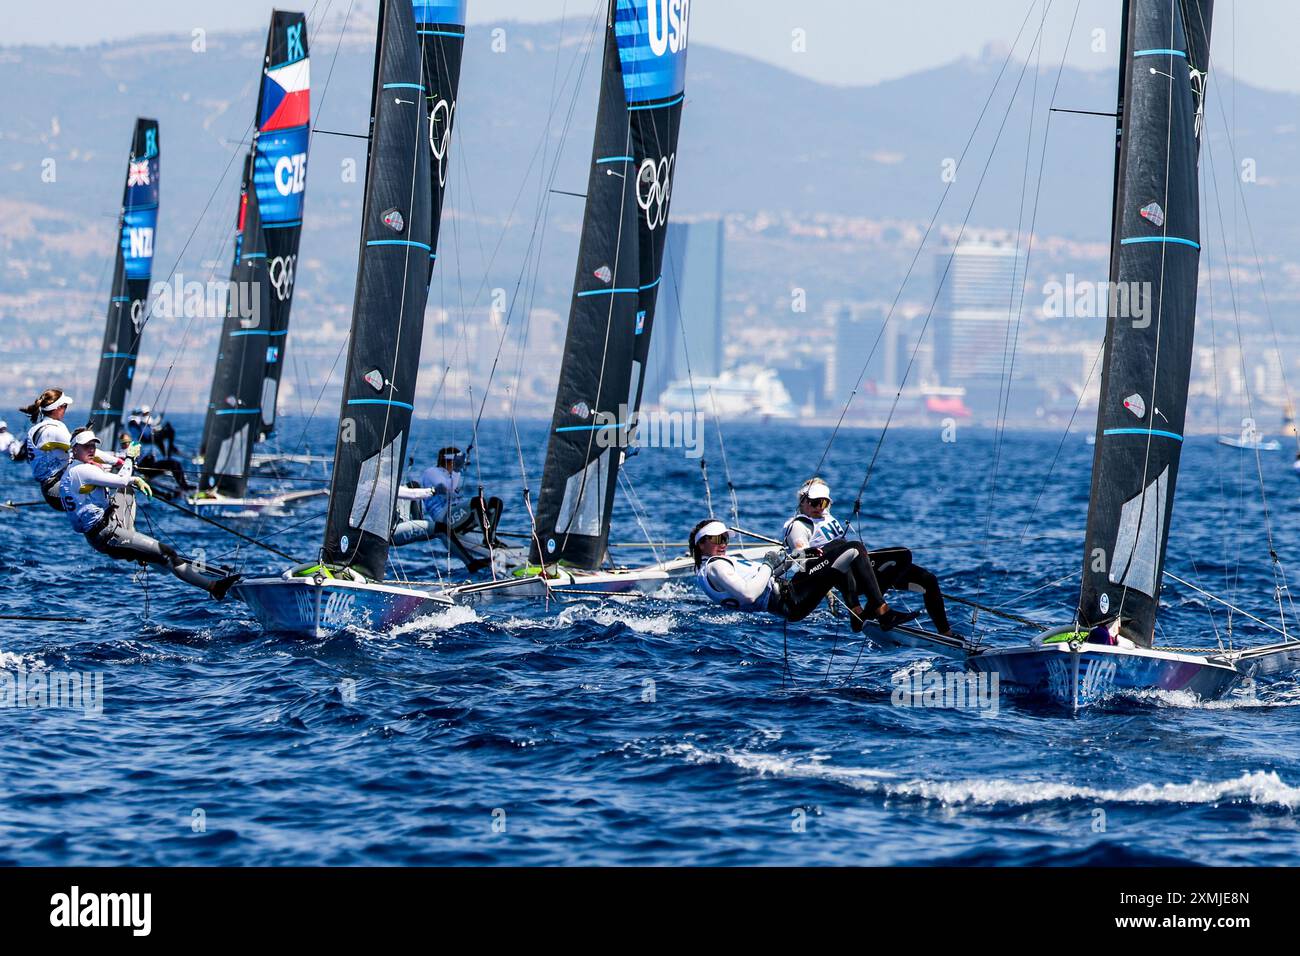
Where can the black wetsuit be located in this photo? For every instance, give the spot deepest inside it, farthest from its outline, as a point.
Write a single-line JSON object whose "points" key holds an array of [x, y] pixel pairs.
{"points": [[795, 599], [894, 569]]}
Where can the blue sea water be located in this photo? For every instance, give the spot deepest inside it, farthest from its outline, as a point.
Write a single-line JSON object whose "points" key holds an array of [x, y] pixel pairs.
{"points": [[659, 730]]}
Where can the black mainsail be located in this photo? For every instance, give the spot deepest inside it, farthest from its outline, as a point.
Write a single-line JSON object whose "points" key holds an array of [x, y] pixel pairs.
{"points": [[440, 25], [1155, 253], [232, 422], [250, 356], [619, 261], [388, 311], [127, 310]]}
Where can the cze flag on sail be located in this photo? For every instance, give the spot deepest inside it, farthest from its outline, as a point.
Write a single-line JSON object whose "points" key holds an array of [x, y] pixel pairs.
{"points": [[127, 310], [1156, 247], [619, 263], [241, 405]]}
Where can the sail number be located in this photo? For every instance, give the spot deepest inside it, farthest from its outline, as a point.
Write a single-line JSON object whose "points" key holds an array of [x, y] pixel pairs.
{"points": [[291, 174], [141, 242], [667, 21]]}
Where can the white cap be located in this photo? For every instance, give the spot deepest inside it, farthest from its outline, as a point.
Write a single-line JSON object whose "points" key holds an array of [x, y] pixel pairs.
{"points": [[5, 424], [61, 402], [713, 527], [84, 438], [814, 488]]}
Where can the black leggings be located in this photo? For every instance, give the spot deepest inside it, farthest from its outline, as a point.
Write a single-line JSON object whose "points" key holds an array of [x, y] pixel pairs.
{"points": [[894, 569], [116, 538], [801, 595]]}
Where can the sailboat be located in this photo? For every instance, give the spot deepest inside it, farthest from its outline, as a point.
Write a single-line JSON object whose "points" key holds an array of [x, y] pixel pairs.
{"points": [[127, 311], [611, 316], [346, 586], [1109, 646], [250, 356]]}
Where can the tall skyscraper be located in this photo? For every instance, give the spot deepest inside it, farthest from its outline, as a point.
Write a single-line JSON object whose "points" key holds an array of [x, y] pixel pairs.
{"points": [[970, 317], [690, 300]]}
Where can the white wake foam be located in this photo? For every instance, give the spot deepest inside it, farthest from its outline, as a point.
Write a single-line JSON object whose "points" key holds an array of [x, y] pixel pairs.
{"points": [[1260, 788]]}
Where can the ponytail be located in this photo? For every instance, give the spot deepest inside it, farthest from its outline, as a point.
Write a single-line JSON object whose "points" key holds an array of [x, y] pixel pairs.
{"points": [[47, 397]]}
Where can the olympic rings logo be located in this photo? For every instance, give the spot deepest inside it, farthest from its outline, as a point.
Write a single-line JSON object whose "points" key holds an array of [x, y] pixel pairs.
{"points": [[281, 269], [654, 187], [440, 118]]}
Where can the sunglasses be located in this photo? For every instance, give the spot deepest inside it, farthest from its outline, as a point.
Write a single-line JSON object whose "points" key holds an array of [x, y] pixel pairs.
{"points": [[715, 538], [820, 502]]}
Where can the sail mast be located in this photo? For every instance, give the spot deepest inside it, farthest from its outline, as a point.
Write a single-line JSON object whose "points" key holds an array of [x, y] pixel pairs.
{"points": [[620, 258], [388, 311], [1155, 252], [440, 25], [130, 291], [245, 383]]}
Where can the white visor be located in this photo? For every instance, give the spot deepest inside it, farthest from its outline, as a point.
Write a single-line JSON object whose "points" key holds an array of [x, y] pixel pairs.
{"points": [[84, 438], [816, 489], [61, 402], [713, 527]]}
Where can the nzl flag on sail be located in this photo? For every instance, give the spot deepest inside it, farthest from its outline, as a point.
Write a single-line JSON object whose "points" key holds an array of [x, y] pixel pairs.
{"points": [[140, 215], [280, 169], [652, 48]]}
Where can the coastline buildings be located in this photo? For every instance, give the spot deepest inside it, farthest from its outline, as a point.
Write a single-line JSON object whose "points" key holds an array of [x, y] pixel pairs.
{"points": [[687, 335]]}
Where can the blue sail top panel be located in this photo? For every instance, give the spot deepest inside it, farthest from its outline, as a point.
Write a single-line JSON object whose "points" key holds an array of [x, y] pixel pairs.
{"points": [[651, 37], [284, 127], [140, 214], [440, 11]]}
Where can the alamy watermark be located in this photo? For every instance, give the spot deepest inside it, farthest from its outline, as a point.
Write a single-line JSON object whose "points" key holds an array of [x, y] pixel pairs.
{"points": [[1085, 299], [46, 689], [953, 690], [627, 429]]}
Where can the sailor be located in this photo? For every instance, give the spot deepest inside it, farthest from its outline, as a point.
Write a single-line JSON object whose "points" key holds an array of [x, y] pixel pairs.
{"points": [[814, 530], [145, 429], [47, 444], [98, 503], [9, 443], [433, 511], [758, 586]]}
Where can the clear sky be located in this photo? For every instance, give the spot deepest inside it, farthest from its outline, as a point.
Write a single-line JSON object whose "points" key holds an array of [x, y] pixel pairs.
{"points": [[846, 41]]}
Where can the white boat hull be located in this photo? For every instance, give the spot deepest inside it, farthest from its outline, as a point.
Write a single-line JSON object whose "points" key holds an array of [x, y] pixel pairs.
{"points": [[315, 608], [566, 584], [684, 566], [234, 506]]}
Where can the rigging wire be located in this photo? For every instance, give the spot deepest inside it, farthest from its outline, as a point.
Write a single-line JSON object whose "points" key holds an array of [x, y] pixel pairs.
{"points": [[934, 218], [857, 503]]}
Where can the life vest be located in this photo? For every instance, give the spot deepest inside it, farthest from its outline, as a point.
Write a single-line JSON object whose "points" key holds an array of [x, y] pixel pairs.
{"points": [[824, 530], [726, 598]]}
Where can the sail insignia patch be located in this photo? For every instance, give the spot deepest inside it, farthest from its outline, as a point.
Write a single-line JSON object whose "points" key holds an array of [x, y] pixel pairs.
{"points": [[394, 221], [375, 379], [1136, 405], [1153, 214], [605, 274]]}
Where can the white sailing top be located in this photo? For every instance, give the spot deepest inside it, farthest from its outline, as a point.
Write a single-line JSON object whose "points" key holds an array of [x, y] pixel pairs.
{"points": [[443, 485], [84, 490], [802, 532], [47, 431], [735, 582]]}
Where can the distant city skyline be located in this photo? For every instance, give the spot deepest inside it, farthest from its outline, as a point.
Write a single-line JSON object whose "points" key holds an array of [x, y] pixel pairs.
{"points": [[861, 43]]}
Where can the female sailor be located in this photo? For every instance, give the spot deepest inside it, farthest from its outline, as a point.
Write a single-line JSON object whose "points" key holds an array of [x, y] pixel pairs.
{"points": [[98, 503], [47, 443], [758, 586], [814, 530]]}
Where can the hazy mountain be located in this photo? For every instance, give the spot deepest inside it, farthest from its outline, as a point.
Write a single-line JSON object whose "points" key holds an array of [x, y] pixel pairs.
{"points": [[754, 139]]}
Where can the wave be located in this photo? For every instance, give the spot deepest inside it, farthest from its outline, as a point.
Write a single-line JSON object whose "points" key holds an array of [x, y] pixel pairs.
{"points": [[1258, 788]]}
